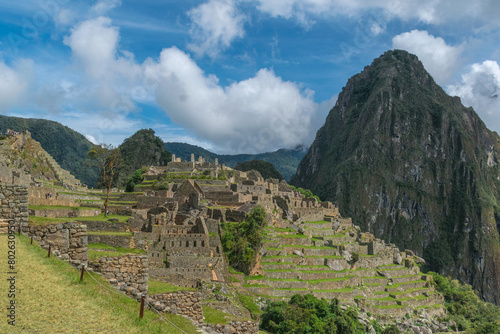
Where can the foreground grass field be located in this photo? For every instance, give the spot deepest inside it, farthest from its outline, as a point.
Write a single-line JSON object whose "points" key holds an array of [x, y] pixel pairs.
{"points": [[50, 299]]}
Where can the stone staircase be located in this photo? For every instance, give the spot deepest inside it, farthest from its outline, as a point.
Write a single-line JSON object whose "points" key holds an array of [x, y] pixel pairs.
{"points": [[333, 259], [61, 174]]}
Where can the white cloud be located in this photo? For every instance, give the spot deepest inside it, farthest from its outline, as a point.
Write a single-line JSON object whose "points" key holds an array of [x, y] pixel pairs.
{"points": [[104, 6], [439, 59], [480, 88], [64, 17], [261, 113], [376, 29], [427, 11], [94, 44], [215, 25], [14, 82]]}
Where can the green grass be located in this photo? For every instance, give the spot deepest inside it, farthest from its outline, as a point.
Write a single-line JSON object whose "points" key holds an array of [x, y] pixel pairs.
{"points": [[233, 279], [397, 293], [100, 246], [156, 287], [313, 281], [234, 271], [384, 299], [343, 290], [116, 233], [384, 307], [94, 254], [397, 285], [100, 217], [279, 229], [309, 247], [246, 285], [59, 207], [273, 263], [293, 236], [77, 194], [279, 270], [73, 306], [318, 222], [254, 277], [249, 303], [214, 316]]}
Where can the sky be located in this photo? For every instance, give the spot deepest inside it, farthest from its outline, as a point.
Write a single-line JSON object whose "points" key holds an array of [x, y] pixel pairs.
{"points": [[233, 76]]}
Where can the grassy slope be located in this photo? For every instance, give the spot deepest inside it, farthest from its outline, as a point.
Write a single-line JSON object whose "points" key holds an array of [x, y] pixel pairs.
{"points": [[51, 300]]}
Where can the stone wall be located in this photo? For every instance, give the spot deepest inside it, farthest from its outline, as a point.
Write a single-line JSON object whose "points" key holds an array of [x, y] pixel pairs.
{"points": [[127, 273], [51, 201], [67, 240], [14, 203], [15, 176], [146, 202], [63, 213], [107, 226], [236, 327], [112, 240], [186, 303]]}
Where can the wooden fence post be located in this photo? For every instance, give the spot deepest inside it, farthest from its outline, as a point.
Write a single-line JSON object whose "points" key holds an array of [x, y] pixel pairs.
{"points": [[49, 250], [141, 312], [81, 275]]}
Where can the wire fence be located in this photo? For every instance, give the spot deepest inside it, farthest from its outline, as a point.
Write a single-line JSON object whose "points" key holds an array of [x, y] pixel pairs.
{"points": [[105, 287]]}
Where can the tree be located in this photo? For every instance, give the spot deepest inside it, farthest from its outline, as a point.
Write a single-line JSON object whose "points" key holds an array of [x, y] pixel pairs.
{"points": [[106, 158]]}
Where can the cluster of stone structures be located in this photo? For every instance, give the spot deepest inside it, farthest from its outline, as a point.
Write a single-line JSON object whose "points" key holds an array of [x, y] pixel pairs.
{"points": [[309, 247], [14, 170]]}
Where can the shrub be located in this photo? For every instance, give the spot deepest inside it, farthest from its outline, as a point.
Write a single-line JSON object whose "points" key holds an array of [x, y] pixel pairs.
{"points": [[241, 241], [307, 314], [466, 308]]}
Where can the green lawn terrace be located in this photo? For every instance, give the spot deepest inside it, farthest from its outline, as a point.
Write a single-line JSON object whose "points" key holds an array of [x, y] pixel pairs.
{"points": [[50, 204], [333, 259]]}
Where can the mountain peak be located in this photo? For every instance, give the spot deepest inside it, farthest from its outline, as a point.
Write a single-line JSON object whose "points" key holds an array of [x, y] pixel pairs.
{"points": [[410, 164]]}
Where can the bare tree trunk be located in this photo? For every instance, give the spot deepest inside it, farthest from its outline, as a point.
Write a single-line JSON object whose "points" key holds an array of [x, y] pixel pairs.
{"points": [[106, 202]]}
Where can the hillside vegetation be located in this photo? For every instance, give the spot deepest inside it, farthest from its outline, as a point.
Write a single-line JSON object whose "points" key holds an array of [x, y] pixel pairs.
{"points": [[266, 169], [143, 148]]}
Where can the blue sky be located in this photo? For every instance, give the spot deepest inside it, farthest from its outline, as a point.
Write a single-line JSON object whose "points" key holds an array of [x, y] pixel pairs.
{"points": [[234, 76]]}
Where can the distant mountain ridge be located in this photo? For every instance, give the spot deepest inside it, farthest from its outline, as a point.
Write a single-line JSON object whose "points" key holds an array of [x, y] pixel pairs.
{"points": [[415, 167], [284, 160]]}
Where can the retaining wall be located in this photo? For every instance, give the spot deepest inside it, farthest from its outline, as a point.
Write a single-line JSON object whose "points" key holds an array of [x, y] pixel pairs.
{"points": [[67, 240], [186, 303], [128, 273], [14, 203]]}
